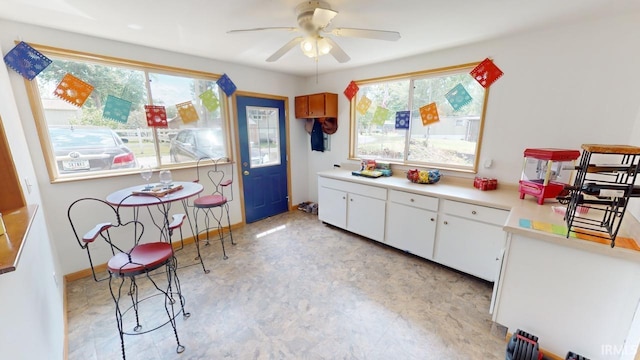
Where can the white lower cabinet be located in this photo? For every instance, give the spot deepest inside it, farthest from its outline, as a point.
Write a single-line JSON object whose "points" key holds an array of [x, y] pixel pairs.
{"points": [[357, 208], [332, 207], [470, 238], [411, 223], [460, 235]]}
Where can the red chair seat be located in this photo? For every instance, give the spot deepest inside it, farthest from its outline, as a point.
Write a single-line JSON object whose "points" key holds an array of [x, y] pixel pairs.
{"points": [[210, 201], [144, 257]]}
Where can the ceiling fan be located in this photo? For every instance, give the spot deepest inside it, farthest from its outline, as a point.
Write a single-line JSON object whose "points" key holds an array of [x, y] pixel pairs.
{"points": [[314, 18]]}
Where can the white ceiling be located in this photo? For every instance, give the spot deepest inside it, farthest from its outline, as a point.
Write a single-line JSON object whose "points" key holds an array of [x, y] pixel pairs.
{"points": [[199, 27]]}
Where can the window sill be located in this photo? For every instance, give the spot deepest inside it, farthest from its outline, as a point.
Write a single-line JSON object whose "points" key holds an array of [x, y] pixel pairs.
{"points": [[17, 223]]}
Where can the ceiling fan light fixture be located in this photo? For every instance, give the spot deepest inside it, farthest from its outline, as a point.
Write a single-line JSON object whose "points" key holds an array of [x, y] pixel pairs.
{"points": [[308, 46], [314, 47], [323, 46]]}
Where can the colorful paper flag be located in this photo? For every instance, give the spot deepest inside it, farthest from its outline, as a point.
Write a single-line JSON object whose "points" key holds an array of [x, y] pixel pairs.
{"points": [[403, 119], [26, 60], [73, 90], [458, 97], [429, 114], [363, 105], [226, 85], [187, 112], [486, 73], [156, 115], [380, 116], [209, 100], [351, 90], [116, 109]]}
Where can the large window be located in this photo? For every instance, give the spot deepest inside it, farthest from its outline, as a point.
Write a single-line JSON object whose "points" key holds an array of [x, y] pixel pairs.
{"points": [[451, 143], [87, 141]]}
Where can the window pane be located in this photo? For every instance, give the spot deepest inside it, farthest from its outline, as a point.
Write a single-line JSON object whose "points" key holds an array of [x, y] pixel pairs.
{"points": [[451, 143], [264, 135], [187, 139], [453, 140], [81, 139], [380, 139]]}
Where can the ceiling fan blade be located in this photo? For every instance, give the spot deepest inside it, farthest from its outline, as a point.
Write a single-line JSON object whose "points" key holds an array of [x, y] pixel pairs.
{"points": [[283, 50], [366, 33], [322, 17], [290, 29], [337, 52]]}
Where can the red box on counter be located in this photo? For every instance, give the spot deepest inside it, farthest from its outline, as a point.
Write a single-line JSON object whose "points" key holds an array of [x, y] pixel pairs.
{"points": [[485, 184]]}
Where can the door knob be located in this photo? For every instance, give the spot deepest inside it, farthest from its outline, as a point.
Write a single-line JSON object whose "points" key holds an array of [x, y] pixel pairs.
{"points": [[245, 172]]}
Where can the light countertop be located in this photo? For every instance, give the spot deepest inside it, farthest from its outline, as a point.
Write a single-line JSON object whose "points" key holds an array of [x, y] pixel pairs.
{"points": [[506, 197]]}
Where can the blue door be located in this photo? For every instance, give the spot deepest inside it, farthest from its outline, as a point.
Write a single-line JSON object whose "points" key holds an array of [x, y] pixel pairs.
{"points": [[263, 156]]}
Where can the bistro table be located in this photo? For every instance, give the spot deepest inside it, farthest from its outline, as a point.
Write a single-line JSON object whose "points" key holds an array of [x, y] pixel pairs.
{"points": [[123, 198]]}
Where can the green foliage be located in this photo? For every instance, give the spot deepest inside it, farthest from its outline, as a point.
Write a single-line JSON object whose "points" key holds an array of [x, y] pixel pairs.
{"points": [[106, 80]]}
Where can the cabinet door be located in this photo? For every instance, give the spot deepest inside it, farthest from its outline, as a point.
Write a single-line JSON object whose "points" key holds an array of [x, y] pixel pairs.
{"points": [[332, 206], [302, 107], [365, 216], [316, 105], [331, 105], [411, 229], [469, 246]]}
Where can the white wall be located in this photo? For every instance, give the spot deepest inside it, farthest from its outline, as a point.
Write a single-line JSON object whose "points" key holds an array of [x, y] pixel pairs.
{"points": [[562, 87], [56, 197], [31, 298]]}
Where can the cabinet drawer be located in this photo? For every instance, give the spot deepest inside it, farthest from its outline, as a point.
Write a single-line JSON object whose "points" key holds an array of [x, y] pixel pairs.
{"points": [[415, 200], [354, 188], [475, 212]]}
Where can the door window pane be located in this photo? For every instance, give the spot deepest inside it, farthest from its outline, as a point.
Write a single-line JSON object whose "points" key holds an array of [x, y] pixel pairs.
{"points": [[264, 135]]}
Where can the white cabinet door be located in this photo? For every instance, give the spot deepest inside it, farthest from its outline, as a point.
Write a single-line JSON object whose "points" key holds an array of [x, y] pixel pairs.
{"points": [[365, 216], [411, 229], [332, 206], [469, 246]]}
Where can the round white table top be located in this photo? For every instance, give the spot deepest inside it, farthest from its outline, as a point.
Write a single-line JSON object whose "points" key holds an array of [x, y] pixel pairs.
{"points": [[188, 189]]}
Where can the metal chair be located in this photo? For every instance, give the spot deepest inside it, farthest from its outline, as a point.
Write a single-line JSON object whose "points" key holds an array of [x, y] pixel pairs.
{"points": [[215, 204], [130, 260]]}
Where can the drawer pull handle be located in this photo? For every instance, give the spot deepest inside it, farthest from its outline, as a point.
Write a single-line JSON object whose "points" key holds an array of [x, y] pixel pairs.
{"points": [[350, 199], [432, 219], [473, 212], [497, 258], [412, 200], [445, 223], [343, 198]]}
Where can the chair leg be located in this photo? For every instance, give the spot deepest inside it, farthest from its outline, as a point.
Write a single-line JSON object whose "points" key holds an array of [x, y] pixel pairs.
{"points": [[229, 223], [116, 300], [178, 290], [133, 292], [197, 240], [221, 232], [169, 303]]}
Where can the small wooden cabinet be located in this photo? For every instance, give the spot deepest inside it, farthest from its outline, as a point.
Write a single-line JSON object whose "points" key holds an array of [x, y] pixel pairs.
{"points": [[316, 106]]}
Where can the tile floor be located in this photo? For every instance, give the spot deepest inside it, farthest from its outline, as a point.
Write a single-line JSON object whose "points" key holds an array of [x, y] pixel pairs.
{"points": [[294, 288]]}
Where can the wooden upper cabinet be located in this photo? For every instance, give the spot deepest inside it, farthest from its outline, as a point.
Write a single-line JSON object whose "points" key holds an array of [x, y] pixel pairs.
{"points": [[316, 106], [11, 196]]}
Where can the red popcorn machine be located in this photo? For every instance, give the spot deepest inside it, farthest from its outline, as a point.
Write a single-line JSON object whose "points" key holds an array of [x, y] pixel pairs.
{"points": [[545, 172]]}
